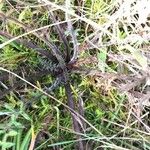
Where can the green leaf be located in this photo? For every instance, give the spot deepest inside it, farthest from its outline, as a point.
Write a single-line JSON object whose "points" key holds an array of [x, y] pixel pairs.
{"points": [[12, 133], [5, 113], [18, 139], [25, 14], [13, 44], [9, 107], [99, 113], [2, 132], [22, 14], [26, 116], [5, 145], [102, 56], [26, 140], [1, 4]]}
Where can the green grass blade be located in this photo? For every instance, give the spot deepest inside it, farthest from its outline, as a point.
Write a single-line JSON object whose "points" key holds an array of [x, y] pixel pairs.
{"points": [[26, 140]]}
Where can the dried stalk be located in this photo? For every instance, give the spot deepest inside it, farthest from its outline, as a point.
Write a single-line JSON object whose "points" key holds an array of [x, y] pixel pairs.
{"points": [[71, 104], [72, 33], [61, 34]]}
